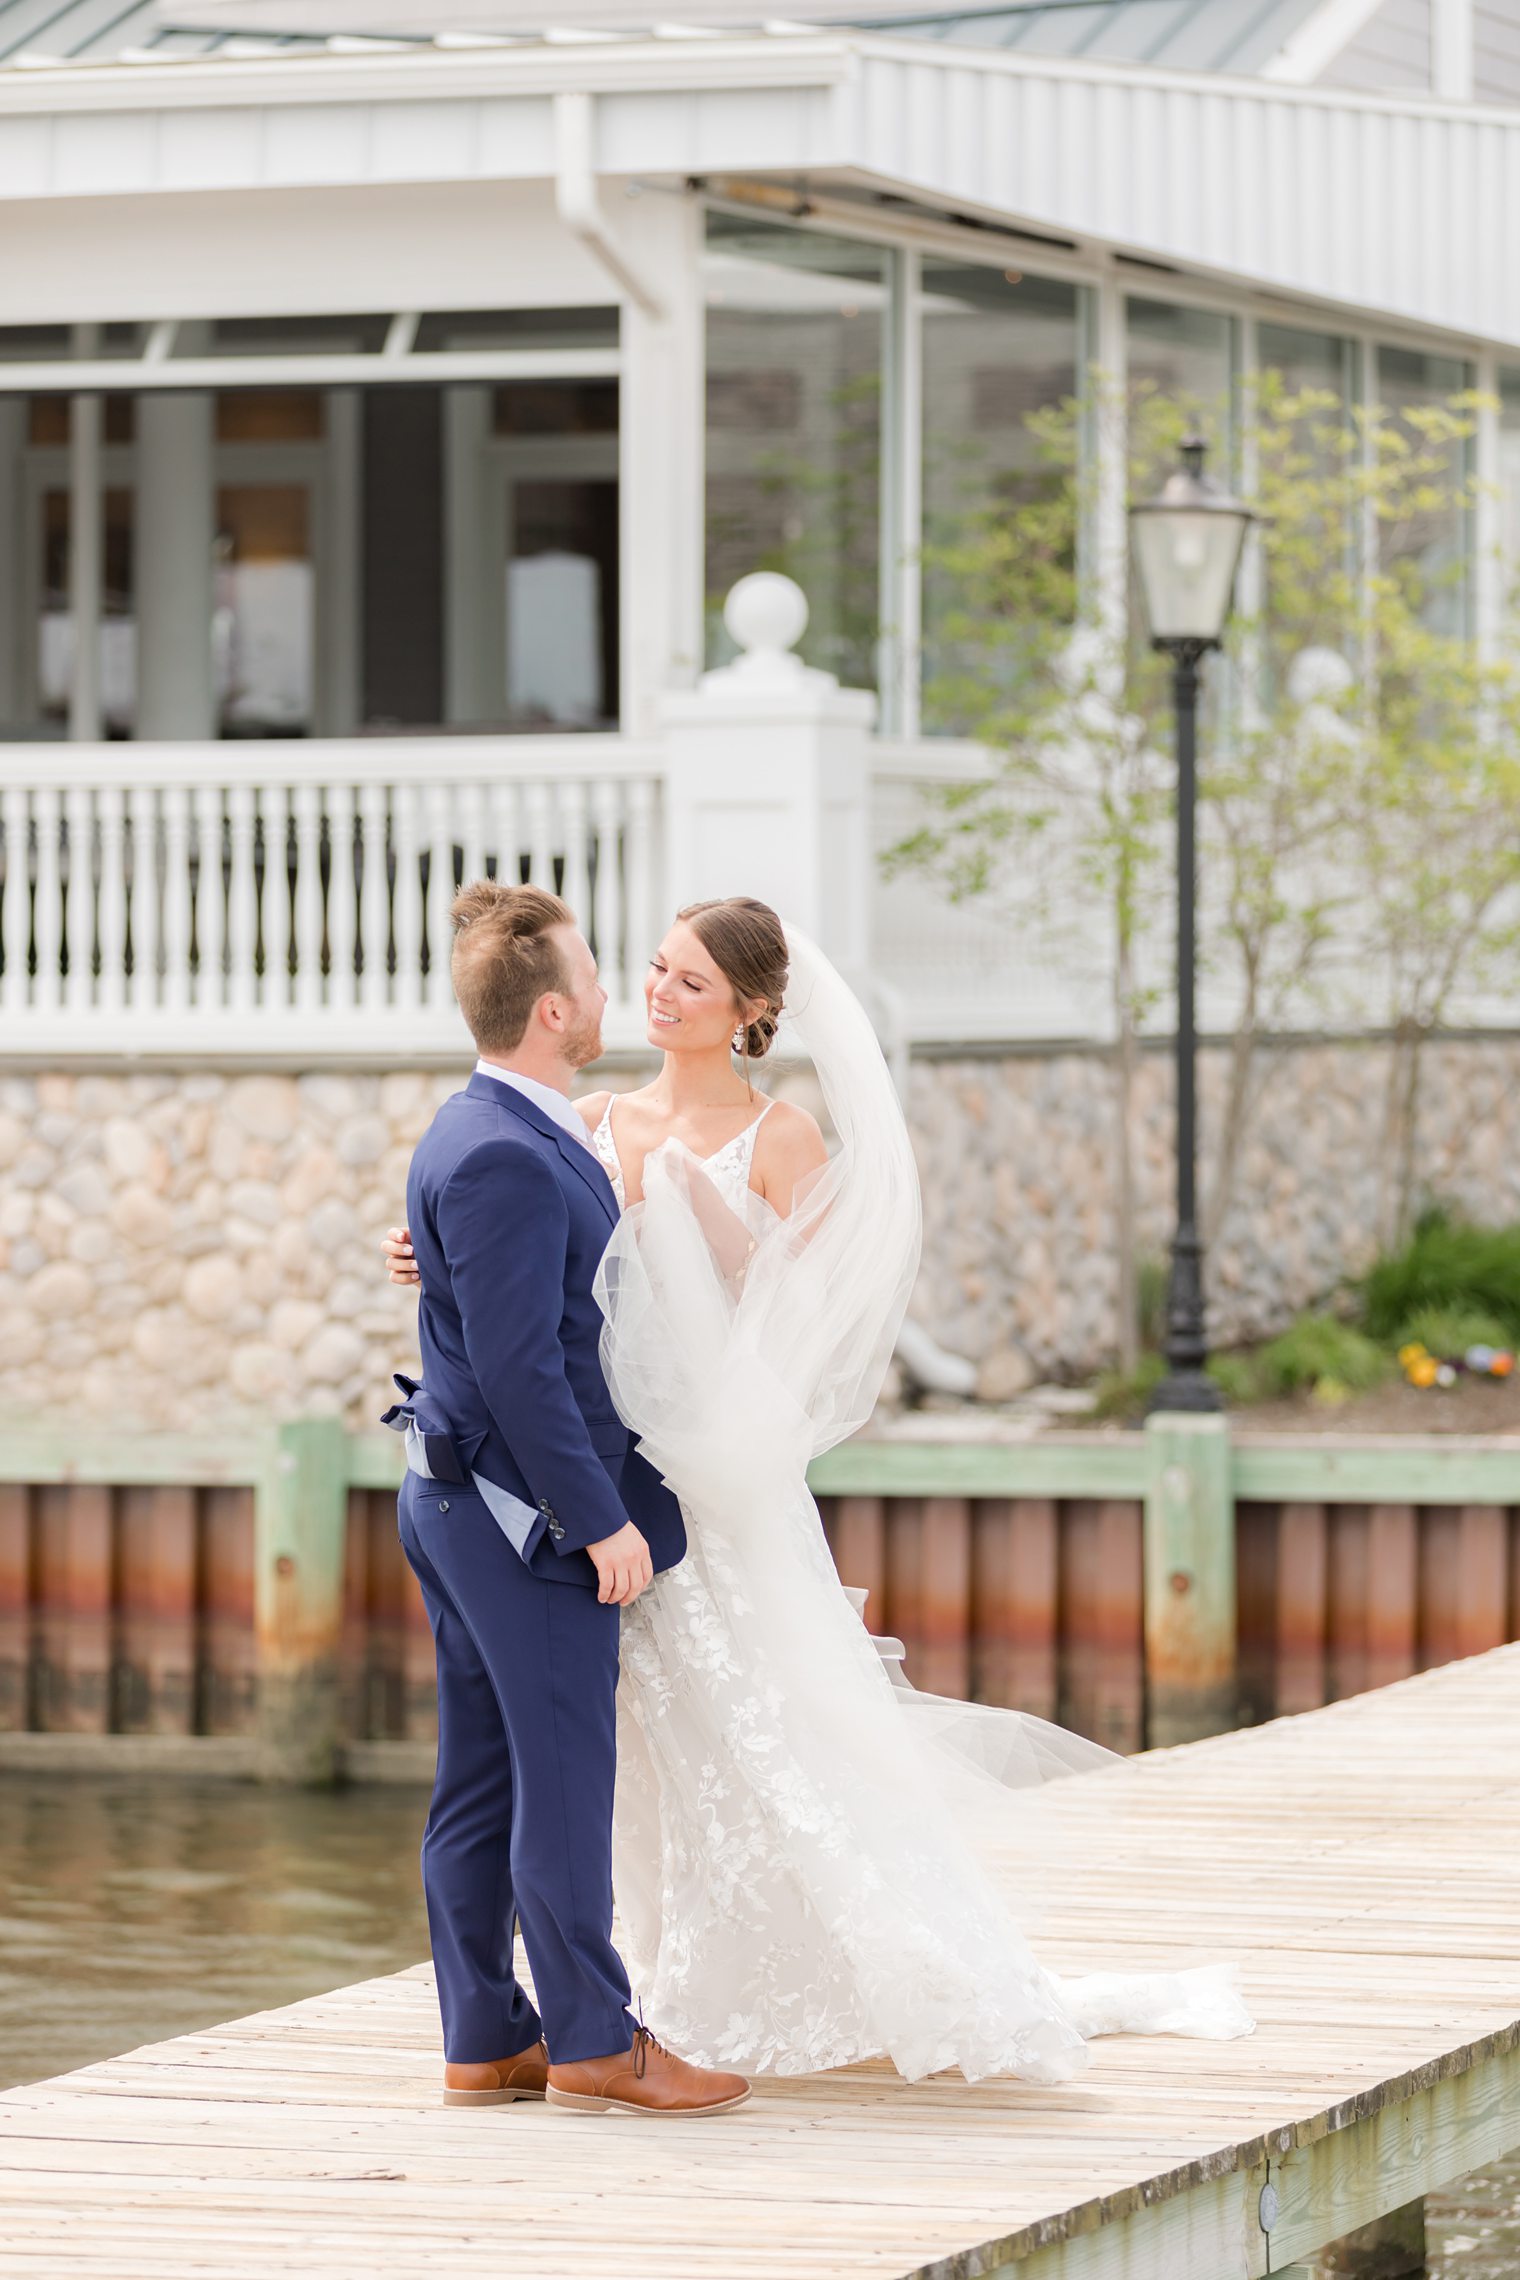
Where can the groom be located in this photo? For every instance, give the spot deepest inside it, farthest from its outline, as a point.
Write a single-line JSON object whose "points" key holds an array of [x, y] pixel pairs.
{"points": [[530, 1519]]}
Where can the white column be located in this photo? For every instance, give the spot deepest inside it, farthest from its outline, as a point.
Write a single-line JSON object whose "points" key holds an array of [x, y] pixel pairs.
{"points": [[175, 529], [86, 552], [13, 414], [661, 471], [768, 779], [1451, 39], [900, 671]]}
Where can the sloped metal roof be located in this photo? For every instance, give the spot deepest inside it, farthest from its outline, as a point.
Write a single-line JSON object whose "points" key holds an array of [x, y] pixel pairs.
{"points": [[102, 31], [106, 31], [1187, 35], [1178, 35]]}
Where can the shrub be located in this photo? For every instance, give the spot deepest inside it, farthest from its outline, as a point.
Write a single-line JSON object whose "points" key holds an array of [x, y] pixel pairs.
{"points": [[1448, 1331], [1120, 1395], [1317, 1350], [1446, 1264]]}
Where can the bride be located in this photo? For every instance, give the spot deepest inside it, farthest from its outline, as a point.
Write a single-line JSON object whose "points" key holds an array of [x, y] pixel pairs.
{"points": [[806, 1853]]}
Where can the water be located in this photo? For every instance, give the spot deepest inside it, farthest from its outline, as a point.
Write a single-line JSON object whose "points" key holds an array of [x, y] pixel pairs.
{"points": [[131, 1911]]}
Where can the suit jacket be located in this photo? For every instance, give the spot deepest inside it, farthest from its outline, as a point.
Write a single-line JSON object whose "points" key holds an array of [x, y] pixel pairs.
{"points": [[509, 1217]]}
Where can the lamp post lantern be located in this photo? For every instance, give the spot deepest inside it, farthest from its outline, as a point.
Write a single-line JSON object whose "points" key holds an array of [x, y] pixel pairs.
{"points": [[1188, 542]]}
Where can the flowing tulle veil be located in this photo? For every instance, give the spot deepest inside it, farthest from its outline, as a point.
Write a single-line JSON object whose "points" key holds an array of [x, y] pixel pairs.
{"points": [[829, 1815]]}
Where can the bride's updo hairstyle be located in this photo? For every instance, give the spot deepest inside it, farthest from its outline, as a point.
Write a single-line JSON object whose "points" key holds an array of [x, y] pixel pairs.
{"points": [[747, 943]]}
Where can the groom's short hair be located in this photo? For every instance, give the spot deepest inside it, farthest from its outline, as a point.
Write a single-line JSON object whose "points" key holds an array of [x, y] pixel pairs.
{"points": [[506, 958]]}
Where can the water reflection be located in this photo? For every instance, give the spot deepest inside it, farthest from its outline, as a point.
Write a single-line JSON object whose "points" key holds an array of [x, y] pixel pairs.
{"points": [[130, 1911]]}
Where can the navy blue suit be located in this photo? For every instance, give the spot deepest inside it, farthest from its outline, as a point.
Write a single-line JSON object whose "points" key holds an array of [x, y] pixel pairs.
{"points": [[509, 1218]]}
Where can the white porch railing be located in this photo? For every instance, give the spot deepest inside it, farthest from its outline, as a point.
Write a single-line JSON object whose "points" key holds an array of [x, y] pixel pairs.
{"points": [[281, 898], [291, 900]]}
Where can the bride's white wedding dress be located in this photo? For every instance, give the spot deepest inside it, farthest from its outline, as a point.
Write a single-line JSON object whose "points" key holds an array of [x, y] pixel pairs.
{"points": [[803, 1849]]}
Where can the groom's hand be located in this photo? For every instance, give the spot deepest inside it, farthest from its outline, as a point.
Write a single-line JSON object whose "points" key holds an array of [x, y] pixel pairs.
{"points": [[623, 1566]]}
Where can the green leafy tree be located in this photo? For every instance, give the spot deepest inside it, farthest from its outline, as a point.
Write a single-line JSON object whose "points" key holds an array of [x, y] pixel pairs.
{"points": [[1359, 789]]}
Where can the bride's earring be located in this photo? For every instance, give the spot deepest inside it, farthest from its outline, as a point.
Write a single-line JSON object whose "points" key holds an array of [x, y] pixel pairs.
{"points": [[737, 1041]]}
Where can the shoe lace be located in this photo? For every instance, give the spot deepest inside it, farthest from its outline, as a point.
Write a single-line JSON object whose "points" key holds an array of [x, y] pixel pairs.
{"points": [[644, 2041]]}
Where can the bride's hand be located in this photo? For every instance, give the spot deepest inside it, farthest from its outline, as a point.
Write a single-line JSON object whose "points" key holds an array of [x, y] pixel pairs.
{"points": [[401, 1267]]}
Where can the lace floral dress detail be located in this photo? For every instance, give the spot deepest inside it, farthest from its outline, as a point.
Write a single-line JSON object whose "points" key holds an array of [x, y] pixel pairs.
{"points": [[796, 1859]]}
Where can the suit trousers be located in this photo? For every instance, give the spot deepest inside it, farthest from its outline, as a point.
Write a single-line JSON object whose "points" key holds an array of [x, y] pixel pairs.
{"points": [[520, 1827]]}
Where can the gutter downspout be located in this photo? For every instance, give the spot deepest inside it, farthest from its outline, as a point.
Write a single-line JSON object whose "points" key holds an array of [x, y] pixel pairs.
{"points": [[575, 194]]}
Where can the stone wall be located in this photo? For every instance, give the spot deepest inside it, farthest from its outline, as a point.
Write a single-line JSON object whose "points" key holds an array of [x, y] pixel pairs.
{"points": [[178, 1249], [1017, 1160]]}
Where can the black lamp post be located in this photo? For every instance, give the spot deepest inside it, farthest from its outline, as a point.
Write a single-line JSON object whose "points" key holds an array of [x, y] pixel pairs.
{"points": [[1188, 541]]}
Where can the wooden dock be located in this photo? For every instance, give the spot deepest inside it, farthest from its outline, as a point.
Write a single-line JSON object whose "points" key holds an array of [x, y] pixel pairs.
{"points": [[1361, 1863]]}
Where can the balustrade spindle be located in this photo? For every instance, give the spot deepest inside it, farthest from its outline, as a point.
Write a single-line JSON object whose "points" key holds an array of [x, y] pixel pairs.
{"points": [[573, 837], [506, 825], [178, 912], [374, 897], [210, 904], [408, 903], [47, 925], [16, 919], [79, 900], [342, 900], [538, 815], [145, 907], [307, 800], [469, 806], [242, 901], [111, 814], [440, 891], [606, 915], [279, 899]]}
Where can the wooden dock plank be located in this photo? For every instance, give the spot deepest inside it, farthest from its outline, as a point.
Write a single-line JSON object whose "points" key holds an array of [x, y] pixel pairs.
{"points": [[1359, 1863]]}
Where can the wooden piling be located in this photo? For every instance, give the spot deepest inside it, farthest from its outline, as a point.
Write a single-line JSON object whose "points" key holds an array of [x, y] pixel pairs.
{"points": [[944, 1663], [157, 1629], [1302, 1608], [1190, 1635], [229, 1674], [75, 1592], [300, 1515], [16, 1595], [1103, 1661], [857, 1536], [1392, 1587]]}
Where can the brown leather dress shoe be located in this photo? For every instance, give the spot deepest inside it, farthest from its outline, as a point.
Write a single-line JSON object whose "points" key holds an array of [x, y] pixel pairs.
{"points": [[497, 2081], [644, 2079]]}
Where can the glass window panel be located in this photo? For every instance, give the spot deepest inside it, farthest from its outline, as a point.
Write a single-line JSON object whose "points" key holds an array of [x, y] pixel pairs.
{"points": [[49, 420], [263, 621], [35, 344], [1509, 483], [555, 407], [1185, 356], [270, 415], [45, 344], [283, 336], [473, 331], [999, 350], [54, 664], [1318, 372], [1435, 545], [795, 332]]}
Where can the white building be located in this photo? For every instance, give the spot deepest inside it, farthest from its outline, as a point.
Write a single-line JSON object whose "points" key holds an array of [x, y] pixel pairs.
{"points": [[386, 410]]}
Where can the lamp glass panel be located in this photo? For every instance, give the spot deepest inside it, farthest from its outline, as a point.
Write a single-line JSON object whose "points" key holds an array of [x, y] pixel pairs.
{"points": [[1187, 570]]}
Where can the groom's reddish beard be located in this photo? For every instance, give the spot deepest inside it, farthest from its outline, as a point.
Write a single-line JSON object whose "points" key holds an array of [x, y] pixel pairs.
{"points": [[583, 1044]]}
